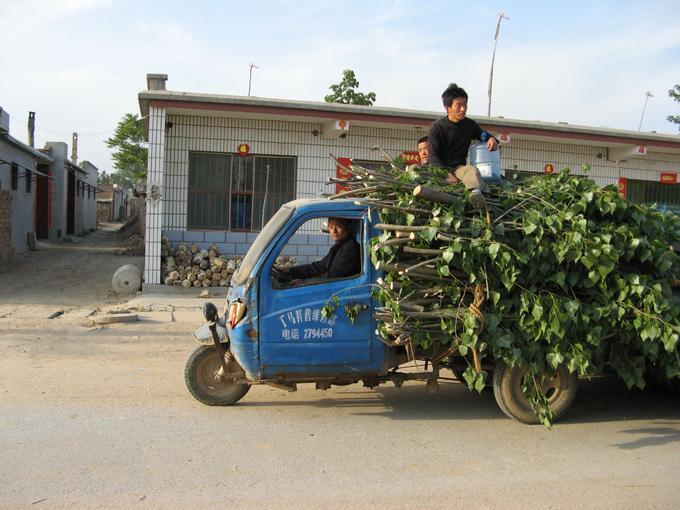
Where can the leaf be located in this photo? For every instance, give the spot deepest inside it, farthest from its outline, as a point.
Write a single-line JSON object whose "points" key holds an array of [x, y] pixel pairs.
{"points": [[493, 250], [537, 312], [447, 255], [554, 359]]}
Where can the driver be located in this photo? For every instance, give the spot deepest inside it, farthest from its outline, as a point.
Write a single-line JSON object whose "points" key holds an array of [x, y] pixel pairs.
{"points": [[343, 259]]}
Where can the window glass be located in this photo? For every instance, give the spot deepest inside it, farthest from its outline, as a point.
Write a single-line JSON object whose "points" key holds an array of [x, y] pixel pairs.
{"points": [[228, 191], [307, 259]]}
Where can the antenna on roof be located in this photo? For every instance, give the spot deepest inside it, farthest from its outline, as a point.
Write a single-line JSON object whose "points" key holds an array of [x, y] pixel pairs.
{"points": [[250, 76]]}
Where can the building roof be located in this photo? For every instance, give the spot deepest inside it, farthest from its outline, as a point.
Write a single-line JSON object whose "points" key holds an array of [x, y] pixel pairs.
{"points": [[34, 153], [189, 103]]}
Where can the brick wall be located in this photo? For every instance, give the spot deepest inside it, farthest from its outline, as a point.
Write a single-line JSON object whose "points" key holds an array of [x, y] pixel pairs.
{"points": [[5, 228], [103, 212]]}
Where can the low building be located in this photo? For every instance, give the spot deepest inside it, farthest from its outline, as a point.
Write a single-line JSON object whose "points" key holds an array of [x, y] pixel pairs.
{"points": [[49, 196], [74, 195], [220, 166], [111, 203], [24, 176]]}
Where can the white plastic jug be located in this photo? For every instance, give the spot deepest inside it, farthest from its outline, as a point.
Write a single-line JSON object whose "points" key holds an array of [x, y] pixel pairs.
{"points": [[487, 162]]}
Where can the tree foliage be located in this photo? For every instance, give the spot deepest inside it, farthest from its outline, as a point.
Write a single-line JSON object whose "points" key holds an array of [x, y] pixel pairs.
{"points": [[113, 178], [130, 152], [568, 273], [675, 94], [345, 91]]}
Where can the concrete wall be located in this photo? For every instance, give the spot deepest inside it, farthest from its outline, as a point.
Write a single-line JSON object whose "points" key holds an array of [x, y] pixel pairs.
{"points": [[86, 204], [6, 250], [22, 210], [58, 151]]}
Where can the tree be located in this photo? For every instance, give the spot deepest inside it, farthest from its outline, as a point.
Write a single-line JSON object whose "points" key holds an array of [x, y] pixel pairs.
{"points": [[344, 92], [130, 152], [675, 94]]}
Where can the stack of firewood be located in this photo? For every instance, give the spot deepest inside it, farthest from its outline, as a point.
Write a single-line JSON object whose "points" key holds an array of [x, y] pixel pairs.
{"points": [[189, 266]]}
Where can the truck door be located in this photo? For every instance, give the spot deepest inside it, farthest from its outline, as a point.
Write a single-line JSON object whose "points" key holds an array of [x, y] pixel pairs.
{"points": [[295, 337]]}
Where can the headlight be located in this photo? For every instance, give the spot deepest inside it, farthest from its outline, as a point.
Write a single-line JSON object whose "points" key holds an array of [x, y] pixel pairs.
{"points": [[236, 312]]}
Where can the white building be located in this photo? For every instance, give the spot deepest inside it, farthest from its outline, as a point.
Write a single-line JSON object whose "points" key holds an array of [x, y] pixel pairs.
{"points": [[220, 166]]}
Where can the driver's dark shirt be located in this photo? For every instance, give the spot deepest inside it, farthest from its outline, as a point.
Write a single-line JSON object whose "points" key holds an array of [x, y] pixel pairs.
{"points": [[343, 259]]}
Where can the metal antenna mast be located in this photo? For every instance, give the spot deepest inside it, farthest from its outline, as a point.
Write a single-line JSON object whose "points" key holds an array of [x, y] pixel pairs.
{"points": [[501, 17], [648, 94], [250, 76]]}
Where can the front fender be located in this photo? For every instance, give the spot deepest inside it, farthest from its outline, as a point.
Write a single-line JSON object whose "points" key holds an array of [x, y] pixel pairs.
{"points": [[203, 335]]}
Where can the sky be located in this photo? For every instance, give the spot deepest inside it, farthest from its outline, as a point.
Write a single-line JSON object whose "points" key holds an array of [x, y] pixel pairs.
{"points": [[79, 64]]}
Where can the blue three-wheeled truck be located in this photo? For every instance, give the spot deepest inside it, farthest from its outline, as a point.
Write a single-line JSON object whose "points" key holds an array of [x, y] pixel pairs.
{"points": [[277, 334]]}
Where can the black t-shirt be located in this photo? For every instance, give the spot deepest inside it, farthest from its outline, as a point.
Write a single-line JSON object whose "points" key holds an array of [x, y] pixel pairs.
{"points": [[449, 142], [343, 259]]}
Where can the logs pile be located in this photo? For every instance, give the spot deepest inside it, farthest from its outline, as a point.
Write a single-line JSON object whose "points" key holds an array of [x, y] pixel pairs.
{"points": [[189, 266]]}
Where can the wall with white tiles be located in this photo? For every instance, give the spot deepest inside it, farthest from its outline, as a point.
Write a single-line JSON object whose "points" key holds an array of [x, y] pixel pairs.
{"points": [[172, 137], [532, 156], [156, 189]]}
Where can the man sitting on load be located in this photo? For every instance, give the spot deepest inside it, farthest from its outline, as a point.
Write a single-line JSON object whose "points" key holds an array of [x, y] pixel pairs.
{"points": [[449, 140]]}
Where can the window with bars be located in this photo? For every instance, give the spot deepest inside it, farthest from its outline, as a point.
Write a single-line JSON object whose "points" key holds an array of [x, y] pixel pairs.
{"points": [[665, 196], [228, 191]]}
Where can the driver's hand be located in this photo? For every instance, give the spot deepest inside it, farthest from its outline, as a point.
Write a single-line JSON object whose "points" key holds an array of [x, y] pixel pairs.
{"points": [[492, 144], [452, 179]]}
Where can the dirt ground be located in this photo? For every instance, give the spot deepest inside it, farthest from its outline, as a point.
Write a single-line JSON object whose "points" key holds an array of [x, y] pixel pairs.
{"points": [[99, 417]]}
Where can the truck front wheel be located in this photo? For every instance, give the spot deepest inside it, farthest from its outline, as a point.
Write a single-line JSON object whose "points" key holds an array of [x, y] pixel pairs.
{"points": [[199, 374], [507, 388]]}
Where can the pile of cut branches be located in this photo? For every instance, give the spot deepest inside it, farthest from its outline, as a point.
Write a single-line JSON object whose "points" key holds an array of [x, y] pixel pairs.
{"points": [[555, 271]]}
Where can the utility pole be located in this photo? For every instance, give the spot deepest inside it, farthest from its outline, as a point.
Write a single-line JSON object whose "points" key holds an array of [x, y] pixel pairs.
{"points": [[250, 76], [648, 94], [501, 17]]}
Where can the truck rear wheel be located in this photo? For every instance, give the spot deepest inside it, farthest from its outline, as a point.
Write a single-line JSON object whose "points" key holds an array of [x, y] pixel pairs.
{"points": [[507, 388], [199, 374]]}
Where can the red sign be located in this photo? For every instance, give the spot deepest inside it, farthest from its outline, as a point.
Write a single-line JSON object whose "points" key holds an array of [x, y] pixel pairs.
{"points": [[641, 150], [668, 178], [342, 172], [623, 187], [411, 157], [243, 149], [504, 137]]}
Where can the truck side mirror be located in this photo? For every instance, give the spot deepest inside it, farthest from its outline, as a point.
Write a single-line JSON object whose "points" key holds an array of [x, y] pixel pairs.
{"points": [[210, 312]]}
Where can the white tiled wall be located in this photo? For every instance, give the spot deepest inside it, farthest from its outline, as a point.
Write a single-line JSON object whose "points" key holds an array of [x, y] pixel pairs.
{"points": [[266, 137], [531, 156], [171, 139], [154, 208]]}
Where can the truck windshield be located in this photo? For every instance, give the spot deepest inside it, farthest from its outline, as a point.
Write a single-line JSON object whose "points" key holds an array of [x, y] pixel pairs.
{"points": [[273, 226]]}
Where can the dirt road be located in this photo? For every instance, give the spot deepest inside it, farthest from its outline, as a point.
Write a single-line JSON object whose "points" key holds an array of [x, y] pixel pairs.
{"points": [[98, 417]]}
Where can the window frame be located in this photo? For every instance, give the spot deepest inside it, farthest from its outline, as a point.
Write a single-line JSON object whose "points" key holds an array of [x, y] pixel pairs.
{"points": [[232, 195]]}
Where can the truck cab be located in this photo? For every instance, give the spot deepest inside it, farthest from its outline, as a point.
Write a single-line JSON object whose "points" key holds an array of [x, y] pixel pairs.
{"points": [[284, 333]]}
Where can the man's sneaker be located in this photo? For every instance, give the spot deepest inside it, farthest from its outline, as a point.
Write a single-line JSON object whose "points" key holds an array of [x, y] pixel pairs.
{"points": [[477, 199]]}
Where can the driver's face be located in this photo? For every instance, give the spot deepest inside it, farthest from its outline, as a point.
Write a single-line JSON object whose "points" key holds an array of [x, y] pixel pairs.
{"points": [[337, 230]]}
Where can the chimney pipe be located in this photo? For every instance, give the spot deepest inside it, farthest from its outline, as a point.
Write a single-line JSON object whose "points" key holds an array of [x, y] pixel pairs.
{"points": [[74, 149], [31, 129]]}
